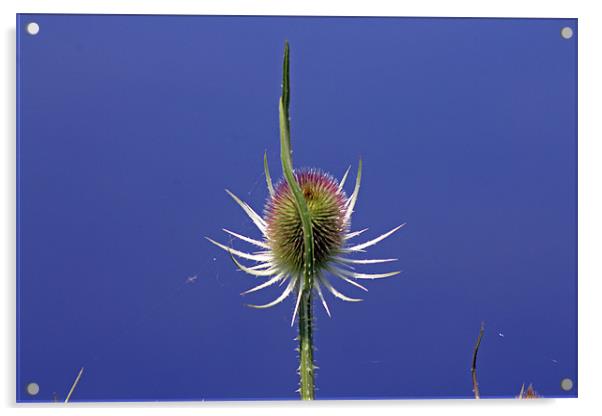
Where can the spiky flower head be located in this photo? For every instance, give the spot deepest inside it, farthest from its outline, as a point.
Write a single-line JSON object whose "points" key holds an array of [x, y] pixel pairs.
{"points": [[326, 203], [280, 257]]}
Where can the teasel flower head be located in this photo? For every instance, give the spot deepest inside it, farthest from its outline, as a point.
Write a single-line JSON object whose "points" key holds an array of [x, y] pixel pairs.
{"points": [[279, 254], [326, 203]]}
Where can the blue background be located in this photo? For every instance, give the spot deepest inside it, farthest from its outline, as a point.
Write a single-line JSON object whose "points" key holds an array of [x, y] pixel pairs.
{"points": [[130, 128]]}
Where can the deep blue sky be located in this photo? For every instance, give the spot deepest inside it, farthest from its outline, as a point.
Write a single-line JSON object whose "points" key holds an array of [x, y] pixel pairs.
{"points": [[130, 128]]}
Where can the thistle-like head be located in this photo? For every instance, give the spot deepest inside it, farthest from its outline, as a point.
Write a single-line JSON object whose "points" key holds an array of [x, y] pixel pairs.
{"points": [[327, 206], [282, 247]]}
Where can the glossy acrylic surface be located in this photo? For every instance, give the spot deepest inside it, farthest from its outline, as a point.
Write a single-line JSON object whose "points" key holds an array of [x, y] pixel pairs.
{"points": [[131, 127]]}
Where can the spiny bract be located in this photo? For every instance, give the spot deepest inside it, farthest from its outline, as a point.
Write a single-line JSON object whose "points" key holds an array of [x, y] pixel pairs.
{"points": [[280, 257]]}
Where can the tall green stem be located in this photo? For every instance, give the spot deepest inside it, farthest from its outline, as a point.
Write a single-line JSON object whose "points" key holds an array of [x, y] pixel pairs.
{"points": [[306, 367], [306, 352]]}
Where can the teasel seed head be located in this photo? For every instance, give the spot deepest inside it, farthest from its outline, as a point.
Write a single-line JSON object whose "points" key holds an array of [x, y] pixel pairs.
{"points": [[326, 203]]}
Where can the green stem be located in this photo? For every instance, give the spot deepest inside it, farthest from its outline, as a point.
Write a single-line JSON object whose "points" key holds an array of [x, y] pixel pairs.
{"points": [[306, 367], [306, 353]]}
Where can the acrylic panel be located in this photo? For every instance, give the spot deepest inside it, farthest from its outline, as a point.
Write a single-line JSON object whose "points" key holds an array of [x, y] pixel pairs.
{"points": [[131, 128]]}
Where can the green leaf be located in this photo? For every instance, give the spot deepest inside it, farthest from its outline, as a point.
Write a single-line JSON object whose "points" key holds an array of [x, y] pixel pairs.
{"points": [[287, 169], [286, 88], [268, 178]]}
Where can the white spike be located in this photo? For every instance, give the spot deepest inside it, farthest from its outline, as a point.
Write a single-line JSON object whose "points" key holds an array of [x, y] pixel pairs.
{"points": [[267, 272], [261, 266], [265, 284], [257, 220], [375, 276], [374, 241], [345, 265], [350, 251], [319, 290], [336, 293], [247, 239], [342, 183], [362, 261], [248, 256], [263, 252], [351, 202], [367, 275], [301, 281], [339, 273], [280, 298], [349, 236]]}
